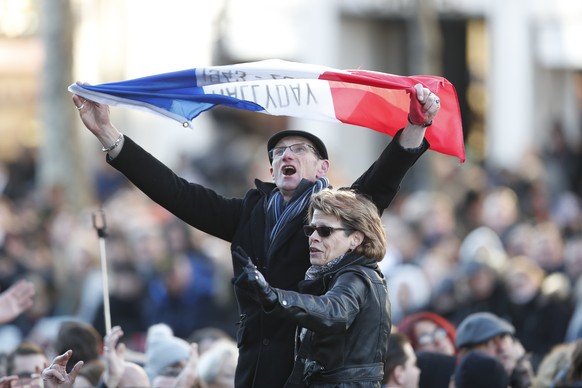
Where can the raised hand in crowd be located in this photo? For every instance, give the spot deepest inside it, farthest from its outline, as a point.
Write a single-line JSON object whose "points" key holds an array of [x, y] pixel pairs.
{"points": [[519, 366], [188, 377], [6, 381], [56, 376], [15, 300], [424, 106], [114, 357], [119, 372]]}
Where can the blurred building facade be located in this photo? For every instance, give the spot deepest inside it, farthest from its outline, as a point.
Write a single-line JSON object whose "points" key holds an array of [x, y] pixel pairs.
{"points": [[515, 64]]}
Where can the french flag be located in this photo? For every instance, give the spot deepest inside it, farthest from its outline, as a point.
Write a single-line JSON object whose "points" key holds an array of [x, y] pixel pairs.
{"points": [[374, 100]]}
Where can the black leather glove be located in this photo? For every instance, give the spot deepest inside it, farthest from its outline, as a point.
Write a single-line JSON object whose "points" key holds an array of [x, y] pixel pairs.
{"points": [[242, 260], [254, 281]]}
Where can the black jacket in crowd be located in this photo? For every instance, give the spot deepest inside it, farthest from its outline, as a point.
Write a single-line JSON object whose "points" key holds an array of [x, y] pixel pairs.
{"points": [[265, 341], [345, 316]]}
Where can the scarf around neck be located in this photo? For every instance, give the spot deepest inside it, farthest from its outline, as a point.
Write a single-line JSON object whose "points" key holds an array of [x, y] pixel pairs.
{"points": [[280, 214], [315, 283], [317, 271]]}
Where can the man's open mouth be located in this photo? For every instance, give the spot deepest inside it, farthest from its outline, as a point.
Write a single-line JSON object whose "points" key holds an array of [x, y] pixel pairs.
{"points": [[288, 170]]}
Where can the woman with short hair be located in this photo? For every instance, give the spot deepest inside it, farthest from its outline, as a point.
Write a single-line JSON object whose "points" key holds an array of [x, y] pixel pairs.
{"points": [[342, 310]]}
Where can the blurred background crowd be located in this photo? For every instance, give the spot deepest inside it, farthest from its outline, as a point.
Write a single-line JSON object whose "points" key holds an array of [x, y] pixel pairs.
{"points": [[500, 233], [483, 240]]}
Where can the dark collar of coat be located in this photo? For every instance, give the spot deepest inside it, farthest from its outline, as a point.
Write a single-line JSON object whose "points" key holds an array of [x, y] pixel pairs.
{"points": [[320, 285]]}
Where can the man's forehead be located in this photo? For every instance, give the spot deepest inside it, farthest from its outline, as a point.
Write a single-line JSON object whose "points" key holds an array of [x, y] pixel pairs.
{"points": [[289, 140], [27, 362]]}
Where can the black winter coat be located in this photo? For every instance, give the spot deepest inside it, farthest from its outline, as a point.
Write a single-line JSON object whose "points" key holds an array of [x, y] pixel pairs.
{"points": [[265, 341], [346, 314]]}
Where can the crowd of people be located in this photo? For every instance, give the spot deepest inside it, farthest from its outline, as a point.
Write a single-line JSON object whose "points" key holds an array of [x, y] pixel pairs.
{"points": [[482, 272], [85, 359]]}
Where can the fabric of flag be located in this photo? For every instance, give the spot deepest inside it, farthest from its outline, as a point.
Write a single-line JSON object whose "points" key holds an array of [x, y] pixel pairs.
{"points": [[370, 99]]}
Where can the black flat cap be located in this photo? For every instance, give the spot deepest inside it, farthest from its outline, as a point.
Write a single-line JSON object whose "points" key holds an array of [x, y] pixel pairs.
{"points": [[317, 143]]}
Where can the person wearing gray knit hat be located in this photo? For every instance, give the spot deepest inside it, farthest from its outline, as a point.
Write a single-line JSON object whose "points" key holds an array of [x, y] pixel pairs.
{"points": [[478, 328], [164, 350]]}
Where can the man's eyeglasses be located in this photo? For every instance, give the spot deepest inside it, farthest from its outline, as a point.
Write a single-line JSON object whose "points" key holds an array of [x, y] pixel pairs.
{"points": [[322, 231], [430, 338], [297, 149]]}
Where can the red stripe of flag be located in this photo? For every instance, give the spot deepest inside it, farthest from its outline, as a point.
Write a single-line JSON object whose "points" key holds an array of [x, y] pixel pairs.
{"points": [[367, 98]]}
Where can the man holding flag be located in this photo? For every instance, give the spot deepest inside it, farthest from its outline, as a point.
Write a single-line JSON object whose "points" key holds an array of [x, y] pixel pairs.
{"points": [[267, 222]]}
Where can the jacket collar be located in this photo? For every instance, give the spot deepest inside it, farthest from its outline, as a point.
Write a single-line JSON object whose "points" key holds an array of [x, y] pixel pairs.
{"points": [[268, 187], [319, 286], [265, 187]]}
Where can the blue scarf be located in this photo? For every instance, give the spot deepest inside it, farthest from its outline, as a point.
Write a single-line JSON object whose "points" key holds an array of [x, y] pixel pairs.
{"points": [[280, 215]]}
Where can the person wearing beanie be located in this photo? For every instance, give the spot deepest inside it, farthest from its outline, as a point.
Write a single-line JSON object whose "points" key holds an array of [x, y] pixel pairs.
{"points": [[217, 365], [164, 351], [429, 332], [479, 370], [436, 369], [267, 221]]}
